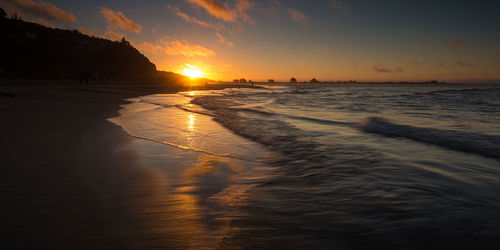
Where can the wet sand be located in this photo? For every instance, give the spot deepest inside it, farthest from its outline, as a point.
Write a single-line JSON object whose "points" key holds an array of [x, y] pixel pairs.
{"points": [[70, 179]]}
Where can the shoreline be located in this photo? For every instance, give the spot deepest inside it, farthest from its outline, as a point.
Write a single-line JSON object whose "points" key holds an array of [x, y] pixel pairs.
{"points": [[68, 173], [73, 180]]}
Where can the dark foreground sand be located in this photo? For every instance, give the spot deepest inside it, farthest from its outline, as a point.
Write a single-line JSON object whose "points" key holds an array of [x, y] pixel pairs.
{"points": [[67, 178]]}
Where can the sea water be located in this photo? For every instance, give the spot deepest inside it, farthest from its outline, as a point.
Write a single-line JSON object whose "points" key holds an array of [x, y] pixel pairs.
{"points": [[332, 166]]}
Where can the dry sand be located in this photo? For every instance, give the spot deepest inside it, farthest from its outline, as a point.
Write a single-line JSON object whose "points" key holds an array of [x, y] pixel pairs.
{"points": [[68, 179]]}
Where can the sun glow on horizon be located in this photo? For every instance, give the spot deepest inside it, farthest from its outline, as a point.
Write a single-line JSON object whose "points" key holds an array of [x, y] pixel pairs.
{"points": [[192, 71]]}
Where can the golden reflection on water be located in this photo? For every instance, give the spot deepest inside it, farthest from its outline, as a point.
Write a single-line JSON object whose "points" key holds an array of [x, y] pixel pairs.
{"points": [[192, 206], [177, 215], [194, 190], [185, 204], [191, 122]]}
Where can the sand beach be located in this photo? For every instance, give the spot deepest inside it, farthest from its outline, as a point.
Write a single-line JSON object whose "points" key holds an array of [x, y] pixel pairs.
{"points": [[71, 179]]}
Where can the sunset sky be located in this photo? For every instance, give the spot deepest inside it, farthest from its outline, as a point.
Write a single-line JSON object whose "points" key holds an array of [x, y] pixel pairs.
{"points": [[325, 39]]}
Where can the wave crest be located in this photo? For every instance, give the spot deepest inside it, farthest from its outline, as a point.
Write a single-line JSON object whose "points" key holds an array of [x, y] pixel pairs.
{"points": [[485, 145]]}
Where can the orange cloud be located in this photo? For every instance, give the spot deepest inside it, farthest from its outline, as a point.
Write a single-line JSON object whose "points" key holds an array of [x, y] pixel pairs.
{"points": [[43, 22], [114, 36], [336, 4], [222, 10], [386, 70], [275, 6], [86, 31], [242, 6], [117, 20], [223, 40], [455, 44], [297, 16], [188, 18], [47, 10], [174, 47]]}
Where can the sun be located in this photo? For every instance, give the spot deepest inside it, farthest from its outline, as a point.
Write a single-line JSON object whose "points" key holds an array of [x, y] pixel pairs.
{"points": [[192, 72]]}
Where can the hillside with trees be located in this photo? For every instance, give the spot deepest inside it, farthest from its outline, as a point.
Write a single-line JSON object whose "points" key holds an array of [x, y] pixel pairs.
{"points": [[30, 50]]}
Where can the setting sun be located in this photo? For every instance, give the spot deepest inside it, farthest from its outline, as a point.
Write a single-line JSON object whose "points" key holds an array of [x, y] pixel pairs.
{"points": [[192, 72]]}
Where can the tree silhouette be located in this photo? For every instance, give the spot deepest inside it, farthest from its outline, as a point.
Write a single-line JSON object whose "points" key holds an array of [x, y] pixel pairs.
{"points": [[293, 80], [63, 54], [3, 14]]}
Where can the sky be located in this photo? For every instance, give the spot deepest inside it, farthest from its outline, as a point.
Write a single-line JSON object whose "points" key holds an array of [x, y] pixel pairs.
{"points": [[330, 40]]}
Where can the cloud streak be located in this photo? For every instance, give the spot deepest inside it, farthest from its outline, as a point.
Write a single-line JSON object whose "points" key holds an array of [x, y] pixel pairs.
{"points": [[117, 20], [43, 22], [298, 16], [223, 40], [386, 70], [465, 64], [223, 12], [338, 5], [86, 31], [190, 19], [43, 9], [175, 47], [113, 36]]}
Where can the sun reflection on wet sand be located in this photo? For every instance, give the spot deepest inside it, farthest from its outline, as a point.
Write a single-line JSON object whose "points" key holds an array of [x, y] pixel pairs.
{"points": [[200, 178], [186, 213], [168, 204]]}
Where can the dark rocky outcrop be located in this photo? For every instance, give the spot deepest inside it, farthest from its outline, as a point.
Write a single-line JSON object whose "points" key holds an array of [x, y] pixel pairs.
{"points": [[30, 50]]}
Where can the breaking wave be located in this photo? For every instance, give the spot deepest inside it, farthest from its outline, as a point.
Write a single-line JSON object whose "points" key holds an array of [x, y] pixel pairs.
{"points": [[485, 145]]}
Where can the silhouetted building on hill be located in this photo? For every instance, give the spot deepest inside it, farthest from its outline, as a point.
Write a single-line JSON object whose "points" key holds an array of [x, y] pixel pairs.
{"points": [[314, 81], [270, 81], [31, 50]]}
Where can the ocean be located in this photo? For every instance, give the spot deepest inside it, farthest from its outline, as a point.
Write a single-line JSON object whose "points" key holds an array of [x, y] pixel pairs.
{"points": [[326, 166]]}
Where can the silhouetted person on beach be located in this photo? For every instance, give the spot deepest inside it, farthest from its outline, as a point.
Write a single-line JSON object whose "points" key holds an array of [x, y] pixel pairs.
{"points": [[84, 77]]}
